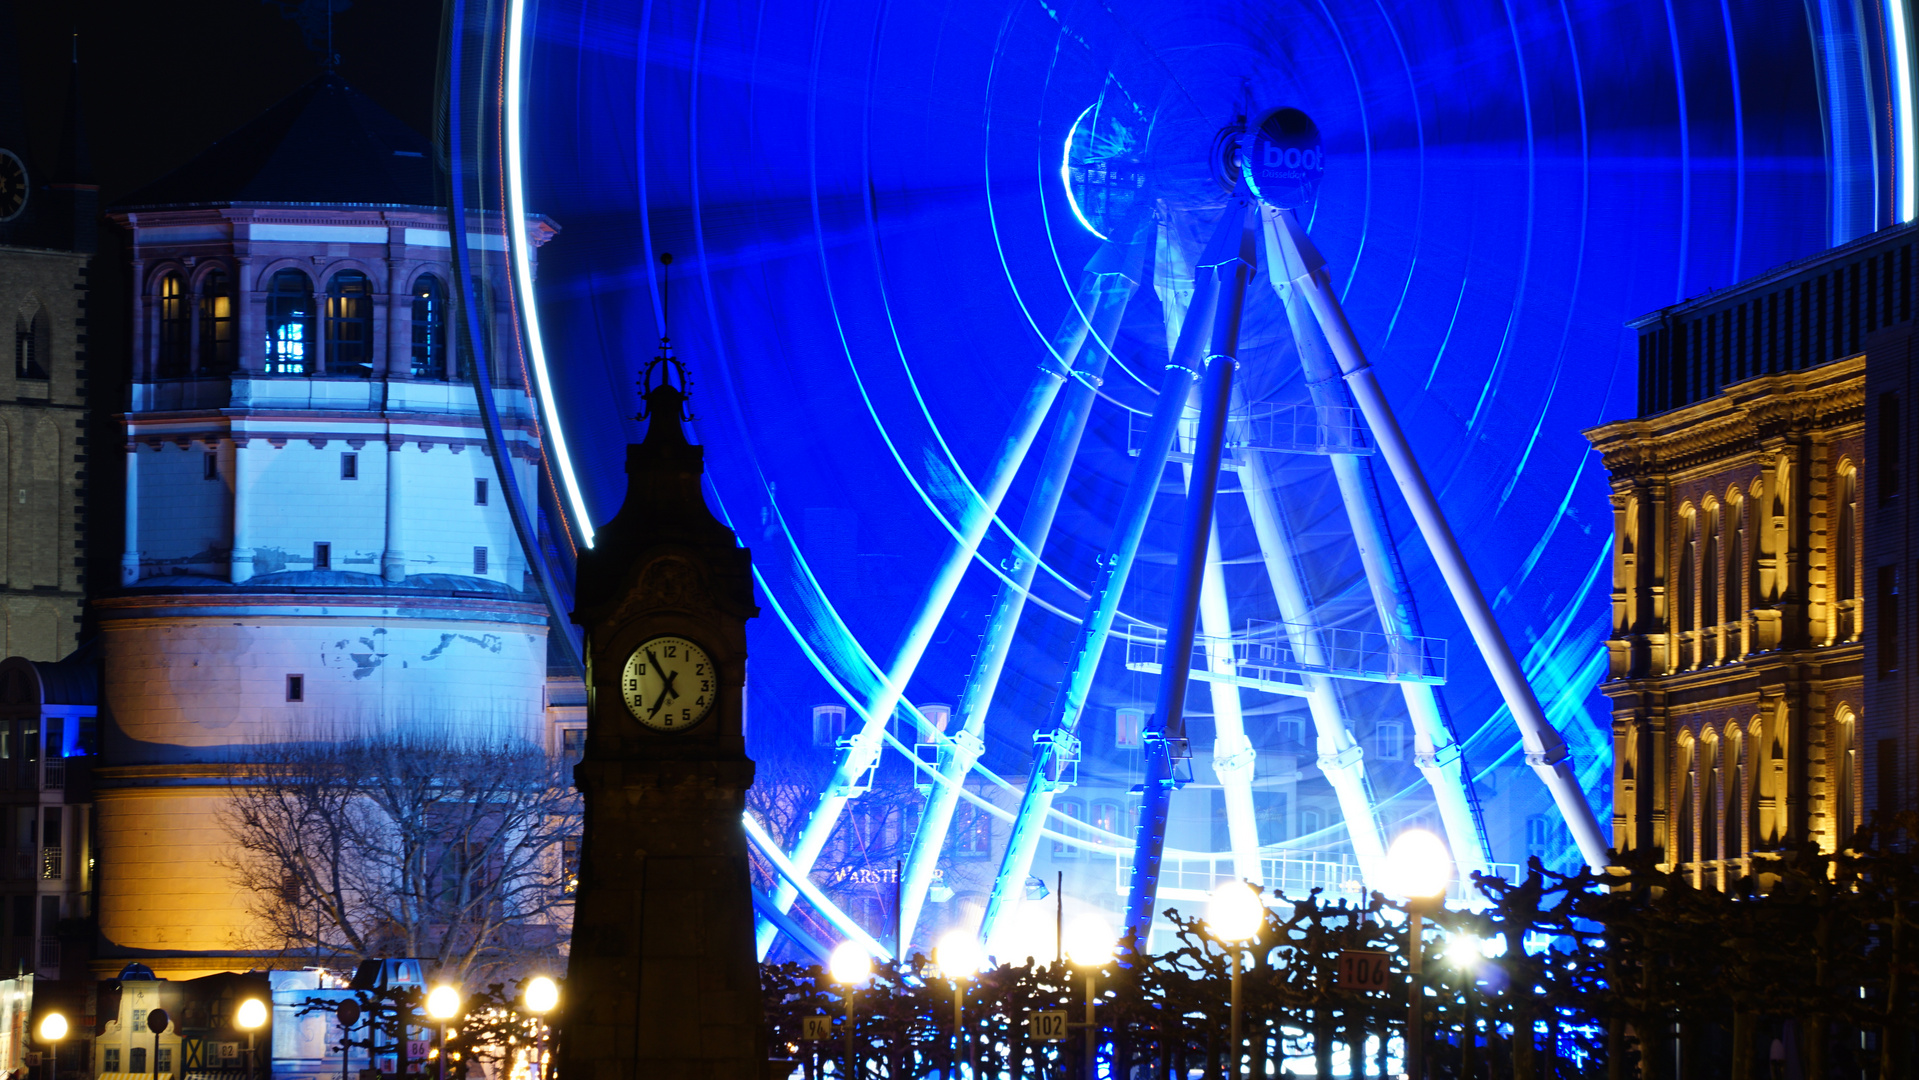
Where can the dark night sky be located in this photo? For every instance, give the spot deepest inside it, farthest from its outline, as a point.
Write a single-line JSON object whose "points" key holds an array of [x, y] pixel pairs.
{"points": [[165, 80], [162, 81]]}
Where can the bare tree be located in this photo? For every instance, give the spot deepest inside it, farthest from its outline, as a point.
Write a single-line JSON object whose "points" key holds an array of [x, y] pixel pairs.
{"points": [[454, 853]]}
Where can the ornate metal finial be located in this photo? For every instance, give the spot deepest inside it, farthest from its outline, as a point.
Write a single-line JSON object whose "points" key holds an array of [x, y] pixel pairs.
{"points": [[664, 375]]}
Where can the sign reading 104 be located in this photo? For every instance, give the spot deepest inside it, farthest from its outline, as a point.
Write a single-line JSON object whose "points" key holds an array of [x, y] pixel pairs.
{"points": [[669, 684]]}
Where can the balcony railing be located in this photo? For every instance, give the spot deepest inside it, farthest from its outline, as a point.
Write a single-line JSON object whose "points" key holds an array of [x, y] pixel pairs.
{"points": [[49, 953], [51, 864], [53, 777]]}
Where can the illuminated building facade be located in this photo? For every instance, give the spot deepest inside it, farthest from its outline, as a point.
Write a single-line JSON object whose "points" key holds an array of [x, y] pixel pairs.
{"points": [[1754, 656], [318, 544]]}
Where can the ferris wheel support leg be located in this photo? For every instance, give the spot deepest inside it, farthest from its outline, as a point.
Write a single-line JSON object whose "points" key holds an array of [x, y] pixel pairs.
{"points": [[1114, 568], [1546, 751], [1341, 758], [863, 749], [1436, 752], [1117, 271], [1168, 724], [1233, 753]]}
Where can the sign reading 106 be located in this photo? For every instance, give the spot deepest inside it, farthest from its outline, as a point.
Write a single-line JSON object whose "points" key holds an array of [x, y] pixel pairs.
{"points": [[669, 684]]}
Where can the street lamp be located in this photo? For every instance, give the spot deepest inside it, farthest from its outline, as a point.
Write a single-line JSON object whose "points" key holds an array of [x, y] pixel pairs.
{"points": [[1088, 946], [849, 966], [443, 1004], [1466, 951], [541, 995], [53, 1028], [251, 1017], [959, 957], [1419, 869], [1234, 916]]}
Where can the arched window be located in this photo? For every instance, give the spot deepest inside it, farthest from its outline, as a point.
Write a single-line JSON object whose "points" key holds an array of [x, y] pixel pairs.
{"points": [[349, 327], [1735, 550], [1845, 791], [429, 328], [1709, 569], [1710, 792], [1076, 810], [1682, 830], [219, 331], [1688, 551], [170, 357], [1734, 758], [31, 348], [1846, 559], [289, 324]]}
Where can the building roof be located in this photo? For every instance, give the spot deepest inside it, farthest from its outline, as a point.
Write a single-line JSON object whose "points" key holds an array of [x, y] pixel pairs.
{"points": [[326, 143]]}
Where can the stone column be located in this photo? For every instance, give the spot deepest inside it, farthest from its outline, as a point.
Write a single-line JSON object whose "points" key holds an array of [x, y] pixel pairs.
{"points": [[240, 565], [130, 555], [393, 561]]}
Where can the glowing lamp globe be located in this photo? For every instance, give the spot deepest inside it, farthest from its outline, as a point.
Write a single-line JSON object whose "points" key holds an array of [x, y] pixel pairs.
{"points": [[959, 955], [1235, 912], [251, 1015], [849, 963], [1418, 865], [542, 994], [1465, 950], [1089, 942], [53, 1027], [443, 1003]]}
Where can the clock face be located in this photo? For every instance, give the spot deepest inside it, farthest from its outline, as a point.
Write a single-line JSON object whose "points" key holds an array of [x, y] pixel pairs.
{"points": [[669, 684], [13, 185]]}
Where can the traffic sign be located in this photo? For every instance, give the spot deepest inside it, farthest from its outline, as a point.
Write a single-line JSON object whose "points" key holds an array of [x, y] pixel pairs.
{"points": [[1049, 1026], [1361, 969]]}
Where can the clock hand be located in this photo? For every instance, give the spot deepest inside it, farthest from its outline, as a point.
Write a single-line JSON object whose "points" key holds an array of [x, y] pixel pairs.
{"points": [[668, 685]]}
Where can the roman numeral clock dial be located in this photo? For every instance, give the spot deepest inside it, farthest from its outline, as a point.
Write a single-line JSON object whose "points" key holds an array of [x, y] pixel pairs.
{"points": [[669, 684]]}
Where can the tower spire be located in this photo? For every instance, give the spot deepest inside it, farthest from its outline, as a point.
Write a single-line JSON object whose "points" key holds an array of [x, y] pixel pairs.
{"points": [[664, 384]]}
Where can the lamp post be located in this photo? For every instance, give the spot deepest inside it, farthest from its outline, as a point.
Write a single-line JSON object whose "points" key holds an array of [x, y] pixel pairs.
{"points": [[53, 1028], [1465, 951], [1088, 946], [443, 1004], [541, 995], [1233, 917], [251, 1016], [1420, 868], [959, 957], [849, 966]]}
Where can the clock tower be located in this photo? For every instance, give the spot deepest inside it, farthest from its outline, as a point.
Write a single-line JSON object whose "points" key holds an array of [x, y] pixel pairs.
{"points": [[663, 980]]}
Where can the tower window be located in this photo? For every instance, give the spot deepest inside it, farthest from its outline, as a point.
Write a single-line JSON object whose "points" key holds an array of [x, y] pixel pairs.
{"points": [[323, 556], [31, 347], [210, 466], [479, 492], [479, 560], [218, 331], [429, 328], [171, 354], [1888, 619], [349, 327], [296, 687], [349, 466], [289, 323], [1389, 741]]}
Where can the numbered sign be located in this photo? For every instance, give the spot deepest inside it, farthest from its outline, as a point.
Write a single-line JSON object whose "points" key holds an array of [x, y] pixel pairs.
{"points": [[1362, 970], [816, 1027], [1047, 1026]]}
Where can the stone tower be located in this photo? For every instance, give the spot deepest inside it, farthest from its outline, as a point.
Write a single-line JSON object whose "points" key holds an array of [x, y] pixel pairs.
{"points": [[663, 982], [318, 543]]}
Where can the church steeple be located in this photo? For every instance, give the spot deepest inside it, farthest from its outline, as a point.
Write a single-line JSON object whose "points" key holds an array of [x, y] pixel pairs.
{"points": [[73, 198]]}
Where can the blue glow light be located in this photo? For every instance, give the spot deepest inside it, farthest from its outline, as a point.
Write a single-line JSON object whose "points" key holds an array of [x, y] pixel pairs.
{"points": [[1902, 63], [554, 433], [1066, 174]]}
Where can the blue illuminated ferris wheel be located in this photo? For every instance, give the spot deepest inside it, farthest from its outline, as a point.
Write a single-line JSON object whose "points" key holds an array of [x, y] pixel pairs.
{"points": [[975, 276]]}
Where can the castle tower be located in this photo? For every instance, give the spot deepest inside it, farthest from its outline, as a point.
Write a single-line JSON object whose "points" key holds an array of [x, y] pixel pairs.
{"points": [[318, 545]]}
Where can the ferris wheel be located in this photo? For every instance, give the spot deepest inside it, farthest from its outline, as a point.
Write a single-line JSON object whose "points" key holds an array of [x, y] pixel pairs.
{"points": [[982, 276]]}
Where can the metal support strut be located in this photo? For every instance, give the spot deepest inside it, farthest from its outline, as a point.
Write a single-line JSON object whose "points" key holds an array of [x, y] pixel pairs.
{"points": [[1167, 727], [1546, 751], [1103, 605]]}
